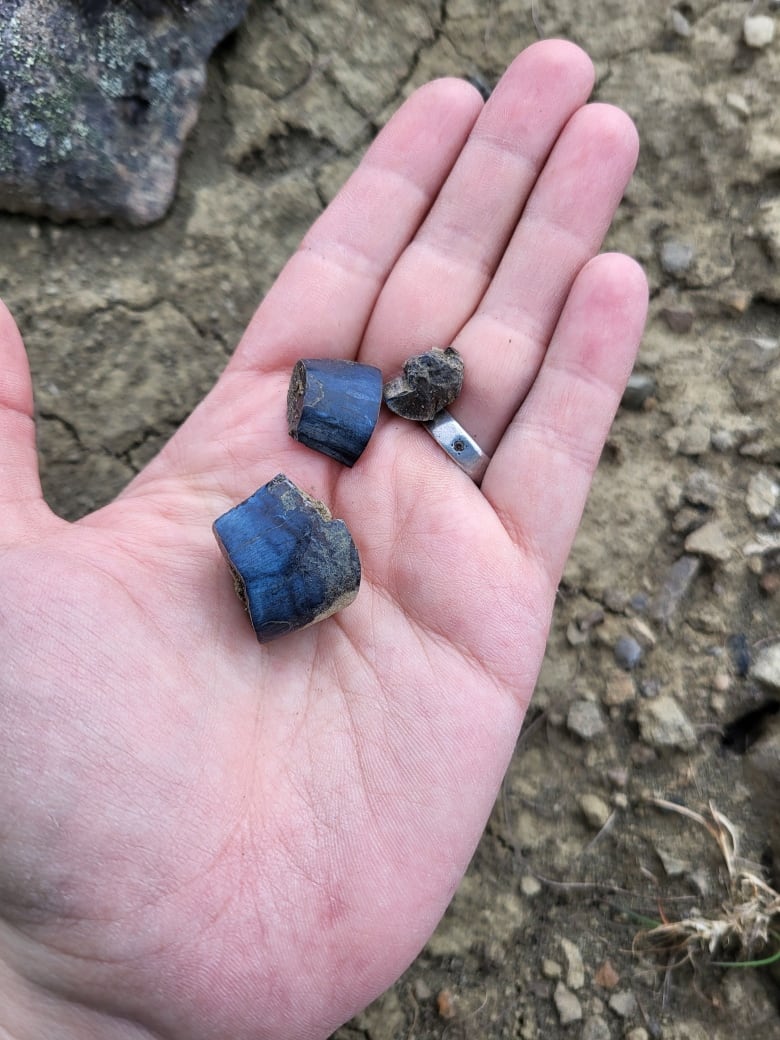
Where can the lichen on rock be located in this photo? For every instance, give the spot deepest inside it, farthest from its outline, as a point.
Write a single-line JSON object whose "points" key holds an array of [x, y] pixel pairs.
{"points": [[97, 99]]}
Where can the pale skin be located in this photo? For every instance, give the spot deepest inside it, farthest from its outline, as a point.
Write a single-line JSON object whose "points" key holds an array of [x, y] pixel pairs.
{"points": [[202, 837]]}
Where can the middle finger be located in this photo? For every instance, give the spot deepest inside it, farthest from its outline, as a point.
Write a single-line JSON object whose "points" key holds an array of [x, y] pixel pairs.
{"points": [[442, 274]]}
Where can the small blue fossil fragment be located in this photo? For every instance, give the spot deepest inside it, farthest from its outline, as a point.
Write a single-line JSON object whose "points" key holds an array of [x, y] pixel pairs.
{"points": [[333, 406], [292, 564]]}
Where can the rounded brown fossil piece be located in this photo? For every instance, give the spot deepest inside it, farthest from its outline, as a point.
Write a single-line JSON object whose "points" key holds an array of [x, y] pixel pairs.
{"points": [[429, 382]]}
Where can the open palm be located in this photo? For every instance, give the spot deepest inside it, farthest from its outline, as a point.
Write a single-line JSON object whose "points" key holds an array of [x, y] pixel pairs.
{"points": [[202, 837]]}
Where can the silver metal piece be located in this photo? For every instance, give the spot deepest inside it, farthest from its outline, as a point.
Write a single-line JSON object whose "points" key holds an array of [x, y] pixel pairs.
{"points": [[459, 445]]}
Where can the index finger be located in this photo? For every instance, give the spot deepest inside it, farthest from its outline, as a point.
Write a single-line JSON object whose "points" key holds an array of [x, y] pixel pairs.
{"points": [[321, 302]]}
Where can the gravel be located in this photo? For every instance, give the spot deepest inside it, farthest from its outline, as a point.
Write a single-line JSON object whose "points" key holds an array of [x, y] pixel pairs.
{"points": [[663, 724], [585, 720]]}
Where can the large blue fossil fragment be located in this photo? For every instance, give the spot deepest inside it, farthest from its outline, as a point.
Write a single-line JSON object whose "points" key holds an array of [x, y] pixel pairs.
{"points": [[333, 406], [292, 564]]}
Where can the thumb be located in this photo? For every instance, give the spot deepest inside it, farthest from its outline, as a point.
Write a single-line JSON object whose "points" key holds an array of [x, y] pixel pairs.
{"points": [[21, 500]]}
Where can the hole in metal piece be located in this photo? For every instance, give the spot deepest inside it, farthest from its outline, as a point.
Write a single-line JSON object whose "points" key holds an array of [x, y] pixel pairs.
{"points": [[458, 445]]}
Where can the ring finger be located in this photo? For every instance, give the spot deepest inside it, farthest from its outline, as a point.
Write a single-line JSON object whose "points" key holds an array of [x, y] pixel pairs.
{"points": [[563, 225], [500, 312]]}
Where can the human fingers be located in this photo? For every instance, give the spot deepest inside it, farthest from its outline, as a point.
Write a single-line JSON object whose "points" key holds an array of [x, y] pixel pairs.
{"points": [[562, 227], [446, 268], [322, 300], [540, 474], [22, 508]]}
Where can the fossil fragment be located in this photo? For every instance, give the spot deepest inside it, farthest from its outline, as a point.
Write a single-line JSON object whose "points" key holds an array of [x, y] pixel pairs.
{"points": [[429, 383], [333, 406], [292, 563]]}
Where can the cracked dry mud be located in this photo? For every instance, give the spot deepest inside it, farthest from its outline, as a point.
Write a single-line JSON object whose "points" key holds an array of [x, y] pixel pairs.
{"points": [[538, 941]]}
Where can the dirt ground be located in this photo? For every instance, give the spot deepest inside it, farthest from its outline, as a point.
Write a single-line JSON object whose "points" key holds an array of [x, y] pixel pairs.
{"points": [[648, 689]]}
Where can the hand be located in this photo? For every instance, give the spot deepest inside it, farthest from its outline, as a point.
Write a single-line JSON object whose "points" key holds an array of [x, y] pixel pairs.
{"points": [[202, 837]]}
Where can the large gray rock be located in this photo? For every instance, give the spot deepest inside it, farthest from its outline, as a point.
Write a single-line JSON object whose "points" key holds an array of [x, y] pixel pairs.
{"points": [[96, 100]]}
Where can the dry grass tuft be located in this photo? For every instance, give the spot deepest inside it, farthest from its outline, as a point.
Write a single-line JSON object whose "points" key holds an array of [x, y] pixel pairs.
{"points": [[748, 919]]}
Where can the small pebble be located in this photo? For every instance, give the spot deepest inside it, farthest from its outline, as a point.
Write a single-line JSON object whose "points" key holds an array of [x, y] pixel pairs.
{"points": [[739, 651], [766, 669], [676, 257], [758, 30], [585, 720], [530, 886], [422, 990], [663, 724], [673, 865], [687, 520], [596, 1028], [575, 969], [568, 1007], [638, 1034], [701, 489], [592, 619], [575, 636], [551, 969], [643, 633], [678, 319], [723, 441], [445, 1004], [679, 24], [674, 588], [628, 653], [619, 690], [709, 541], [606, 976], [578, 628], [623, 1003], [673, 495], [762, 494], [722, 682], [755, 565], [639, 389], [596, 812], [618, 776], [642, 630], [718, 704], [616, 600], [738, 300], [650, 687], [695, 440]]}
